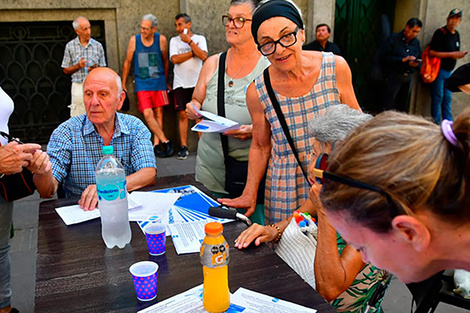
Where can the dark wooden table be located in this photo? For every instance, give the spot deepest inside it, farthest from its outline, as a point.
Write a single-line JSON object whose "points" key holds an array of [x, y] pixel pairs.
{"points": [[77, 273]]}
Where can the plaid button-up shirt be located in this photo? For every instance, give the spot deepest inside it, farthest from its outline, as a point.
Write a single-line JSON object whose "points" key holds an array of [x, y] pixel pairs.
{"points": [[75, 148], [93, 53]]}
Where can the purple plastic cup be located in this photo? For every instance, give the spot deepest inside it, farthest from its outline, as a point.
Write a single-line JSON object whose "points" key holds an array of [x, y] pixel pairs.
{"points": [[156, 238], [144, 275]]}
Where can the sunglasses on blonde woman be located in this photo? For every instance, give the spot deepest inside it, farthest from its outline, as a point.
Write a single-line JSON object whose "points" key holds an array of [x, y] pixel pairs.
{"points": [[321, 174]]}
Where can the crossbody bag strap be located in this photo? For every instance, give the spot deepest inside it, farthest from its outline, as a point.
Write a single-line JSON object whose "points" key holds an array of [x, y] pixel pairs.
{"points": [[221, 100], [282, 120]]}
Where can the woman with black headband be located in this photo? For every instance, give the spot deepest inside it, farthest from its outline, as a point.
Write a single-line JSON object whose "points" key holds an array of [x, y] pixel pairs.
{"points": [[218, 155], [304, 84], [405, 202]]}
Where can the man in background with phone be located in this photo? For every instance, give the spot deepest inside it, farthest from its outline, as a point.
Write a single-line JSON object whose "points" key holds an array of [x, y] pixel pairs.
{"points": [[187, 52], [81, 55], [445, 44], [401, 57]]}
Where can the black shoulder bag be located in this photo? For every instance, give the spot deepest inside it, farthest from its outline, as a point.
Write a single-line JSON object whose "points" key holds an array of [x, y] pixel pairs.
{"points": [[236, 172], [282, 120], [16, 186]]}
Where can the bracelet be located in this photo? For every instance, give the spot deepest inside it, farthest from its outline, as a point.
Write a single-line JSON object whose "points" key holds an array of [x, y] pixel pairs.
{"points": [[191, 42], [279, 234]]}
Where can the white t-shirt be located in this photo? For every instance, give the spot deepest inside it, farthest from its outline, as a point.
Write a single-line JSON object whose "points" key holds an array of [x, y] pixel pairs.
{"points": [[186, 74], [6, 108]]}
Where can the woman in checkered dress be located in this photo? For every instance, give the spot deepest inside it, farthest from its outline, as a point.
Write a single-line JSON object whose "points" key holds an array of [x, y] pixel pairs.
{"points": [[305, 83]]}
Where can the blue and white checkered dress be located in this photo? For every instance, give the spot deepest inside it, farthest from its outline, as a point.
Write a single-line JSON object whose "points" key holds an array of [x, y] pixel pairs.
{"points": [[286, 187]]}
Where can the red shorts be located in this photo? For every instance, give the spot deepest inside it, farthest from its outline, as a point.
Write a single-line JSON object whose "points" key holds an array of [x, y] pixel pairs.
{"points": [[151, 99]]}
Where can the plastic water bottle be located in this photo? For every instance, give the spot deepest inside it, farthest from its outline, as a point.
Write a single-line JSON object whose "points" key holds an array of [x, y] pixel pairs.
{"points": [[214, 258], [112, 195]]}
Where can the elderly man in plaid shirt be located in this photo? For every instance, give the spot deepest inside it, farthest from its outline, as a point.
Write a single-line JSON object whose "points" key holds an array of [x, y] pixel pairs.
{"points": [[75, 146], [81, 55]]}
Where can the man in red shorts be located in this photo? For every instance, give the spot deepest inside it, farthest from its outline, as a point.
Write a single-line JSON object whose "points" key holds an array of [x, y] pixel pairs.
{"points": [[149, 53]]}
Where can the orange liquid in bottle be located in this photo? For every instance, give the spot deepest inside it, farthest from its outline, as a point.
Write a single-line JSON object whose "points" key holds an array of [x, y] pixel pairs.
{"points": [[214, 256]]}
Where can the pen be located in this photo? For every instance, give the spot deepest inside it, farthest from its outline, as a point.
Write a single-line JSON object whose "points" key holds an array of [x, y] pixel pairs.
{"points": [[10, 137], [303, 228], [378, 294]]}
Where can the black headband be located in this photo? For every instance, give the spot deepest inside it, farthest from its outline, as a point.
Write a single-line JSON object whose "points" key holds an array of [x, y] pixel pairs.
{"points": [[274, 8]]}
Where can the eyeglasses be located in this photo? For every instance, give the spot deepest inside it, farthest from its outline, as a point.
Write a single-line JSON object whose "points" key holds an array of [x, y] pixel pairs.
{"points": [[321, 174], [238, 22], [285, 41]]}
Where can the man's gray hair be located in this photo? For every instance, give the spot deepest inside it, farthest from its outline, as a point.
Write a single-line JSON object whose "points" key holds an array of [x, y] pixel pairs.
{"points": [[119, 86], [152, 18], [336, 123], [76, 21]]}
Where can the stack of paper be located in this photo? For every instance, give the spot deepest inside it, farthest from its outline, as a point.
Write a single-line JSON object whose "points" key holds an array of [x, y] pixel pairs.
{"points": [[184, 209], [243, 300]]}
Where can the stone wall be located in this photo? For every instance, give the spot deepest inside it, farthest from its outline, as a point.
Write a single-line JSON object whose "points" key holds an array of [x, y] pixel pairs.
{"points": [[122, 20]]}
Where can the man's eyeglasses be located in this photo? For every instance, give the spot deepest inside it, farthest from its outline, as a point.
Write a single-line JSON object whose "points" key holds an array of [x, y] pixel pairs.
{"points": [[238, 22], [321, 174], [286, 41]]}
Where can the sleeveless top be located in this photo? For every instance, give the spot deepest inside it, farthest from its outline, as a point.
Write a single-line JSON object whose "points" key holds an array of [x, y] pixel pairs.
{"points": [[6, 108], [149, 72], [210, 164], [286, 187]]}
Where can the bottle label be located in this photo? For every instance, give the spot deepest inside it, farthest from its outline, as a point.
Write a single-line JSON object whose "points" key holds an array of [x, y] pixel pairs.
{"points": [[110, 192], [214, 256]]}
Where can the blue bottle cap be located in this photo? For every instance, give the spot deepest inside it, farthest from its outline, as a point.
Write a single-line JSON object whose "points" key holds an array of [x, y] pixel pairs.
{"points": [[108, 150], [302, 224]]}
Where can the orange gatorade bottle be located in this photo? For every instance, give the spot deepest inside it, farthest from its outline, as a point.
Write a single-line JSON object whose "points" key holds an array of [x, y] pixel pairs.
{"points": [[214, 258]]}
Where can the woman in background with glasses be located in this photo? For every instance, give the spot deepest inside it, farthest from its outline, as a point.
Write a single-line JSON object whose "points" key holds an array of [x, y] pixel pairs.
{"points": [[305, 83], [243, 64]]}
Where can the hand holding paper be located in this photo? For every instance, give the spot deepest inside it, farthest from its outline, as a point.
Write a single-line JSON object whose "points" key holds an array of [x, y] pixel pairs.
{"points": [[213, 123]]}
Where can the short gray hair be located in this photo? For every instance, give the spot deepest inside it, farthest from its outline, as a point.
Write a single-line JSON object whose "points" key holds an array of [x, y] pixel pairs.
{"points": [[336, 123], [152, 18], [76, 21], [252, 3], [119, 86]]}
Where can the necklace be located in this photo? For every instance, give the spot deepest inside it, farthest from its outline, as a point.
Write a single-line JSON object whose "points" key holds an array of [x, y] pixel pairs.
{"points": [[230, 82]]}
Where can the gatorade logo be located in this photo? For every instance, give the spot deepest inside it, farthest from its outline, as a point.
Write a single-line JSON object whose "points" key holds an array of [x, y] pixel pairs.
{"points": [[219, 259]]}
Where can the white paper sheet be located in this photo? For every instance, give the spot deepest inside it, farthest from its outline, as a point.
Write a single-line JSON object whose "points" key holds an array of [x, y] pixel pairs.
{"points": [[213, 123], [243, 300], [256, 302], [142, 206], [153, 204], [187, 237], [186, 302]]}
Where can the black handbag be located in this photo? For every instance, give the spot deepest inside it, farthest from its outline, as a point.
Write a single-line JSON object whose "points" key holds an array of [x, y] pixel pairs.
{"points": [[236, 171], [17, 186]]}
